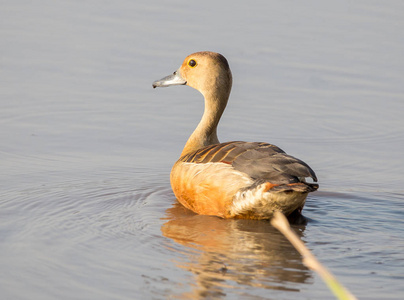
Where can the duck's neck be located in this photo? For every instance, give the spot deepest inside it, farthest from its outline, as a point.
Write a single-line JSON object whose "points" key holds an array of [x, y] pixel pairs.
{"points": [[205, 133]]}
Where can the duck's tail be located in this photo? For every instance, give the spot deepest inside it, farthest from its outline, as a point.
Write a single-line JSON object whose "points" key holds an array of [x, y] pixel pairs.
{"points": [[302, 187]]}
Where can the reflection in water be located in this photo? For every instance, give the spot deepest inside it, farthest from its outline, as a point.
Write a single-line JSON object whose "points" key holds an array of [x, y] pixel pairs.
{"points": [[230, 253]]}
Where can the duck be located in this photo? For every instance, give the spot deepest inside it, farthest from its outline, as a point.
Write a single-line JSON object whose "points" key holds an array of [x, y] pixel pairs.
{"points": [[241, 180]]}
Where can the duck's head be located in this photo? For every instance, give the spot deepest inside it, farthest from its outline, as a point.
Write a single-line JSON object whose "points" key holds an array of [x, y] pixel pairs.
{"points": [[208, 72]]}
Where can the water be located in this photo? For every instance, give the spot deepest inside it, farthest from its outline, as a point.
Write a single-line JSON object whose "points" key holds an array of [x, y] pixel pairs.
{"points": [[86, 208]]}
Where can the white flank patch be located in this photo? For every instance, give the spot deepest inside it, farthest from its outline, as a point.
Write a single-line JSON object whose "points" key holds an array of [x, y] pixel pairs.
{"points": [[263, 203]]}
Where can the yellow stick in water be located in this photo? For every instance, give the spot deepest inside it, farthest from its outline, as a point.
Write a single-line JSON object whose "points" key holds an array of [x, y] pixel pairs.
{"points": [[280, 222]]}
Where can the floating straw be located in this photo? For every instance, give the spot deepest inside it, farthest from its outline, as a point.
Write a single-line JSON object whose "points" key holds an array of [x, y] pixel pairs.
{"points": [[280, 222]]}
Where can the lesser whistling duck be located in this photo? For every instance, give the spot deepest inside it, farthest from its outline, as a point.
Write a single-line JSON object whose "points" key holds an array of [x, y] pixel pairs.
{"points": [[234, 179]]}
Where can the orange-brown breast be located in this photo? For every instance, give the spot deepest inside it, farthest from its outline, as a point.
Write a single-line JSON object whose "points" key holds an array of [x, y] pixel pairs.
{"points": [[207, 188]]}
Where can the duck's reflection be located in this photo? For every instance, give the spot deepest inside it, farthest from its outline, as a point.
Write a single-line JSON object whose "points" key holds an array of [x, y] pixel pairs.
{"points": [[233, 253]]}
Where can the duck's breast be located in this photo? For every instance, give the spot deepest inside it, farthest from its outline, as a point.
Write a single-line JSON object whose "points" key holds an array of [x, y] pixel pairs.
{"points": [[207, 188]]}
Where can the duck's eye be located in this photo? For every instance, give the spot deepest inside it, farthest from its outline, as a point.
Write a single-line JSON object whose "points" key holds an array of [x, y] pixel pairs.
{"points": [[192, 63]]}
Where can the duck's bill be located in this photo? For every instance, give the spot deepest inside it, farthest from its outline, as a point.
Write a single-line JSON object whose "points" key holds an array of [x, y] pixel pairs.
{"points": [[174, 79]]}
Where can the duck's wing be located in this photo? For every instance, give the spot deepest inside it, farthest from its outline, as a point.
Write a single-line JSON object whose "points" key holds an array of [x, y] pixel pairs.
{"points": [[261, 161]]}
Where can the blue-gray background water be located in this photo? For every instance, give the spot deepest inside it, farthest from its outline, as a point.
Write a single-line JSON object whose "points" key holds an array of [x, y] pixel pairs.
{"points": [[86, 208]]}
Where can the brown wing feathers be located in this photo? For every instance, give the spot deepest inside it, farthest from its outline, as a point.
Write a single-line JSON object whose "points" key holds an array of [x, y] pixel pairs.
{"points": [[260, 161]]}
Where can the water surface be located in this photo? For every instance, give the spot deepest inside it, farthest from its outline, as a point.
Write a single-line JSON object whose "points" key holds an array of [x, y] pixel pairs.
{"points": [[86, 208]]}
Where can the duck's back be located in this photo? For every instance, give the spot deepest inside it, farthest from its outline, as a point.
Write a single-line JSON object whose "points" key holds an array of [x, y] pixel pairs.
{"points": [[235, 179]]}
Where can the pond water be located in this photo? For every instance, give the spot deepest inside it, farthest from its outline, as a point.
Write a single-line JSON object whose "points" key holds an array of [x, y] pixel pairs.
{"points": [[86, 208]]}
